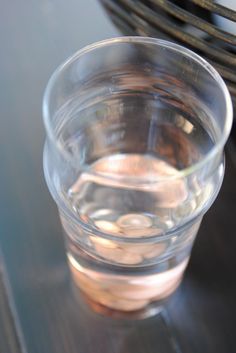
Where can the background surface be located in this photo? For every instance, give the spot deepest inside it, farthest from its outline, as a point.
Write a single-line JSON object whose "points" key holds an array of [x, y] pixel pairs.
{"points": [[36, 36]]}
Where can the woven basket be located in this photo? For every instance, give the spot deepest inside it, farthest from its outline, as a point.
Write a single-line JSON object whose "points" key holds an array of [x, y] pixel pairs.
{"points": [[201, 25]]}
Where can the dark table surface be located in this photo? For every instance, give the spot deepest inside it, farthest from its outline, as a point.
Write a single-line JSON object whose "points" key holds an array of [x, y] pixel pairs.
{"points": [[39, 312]]}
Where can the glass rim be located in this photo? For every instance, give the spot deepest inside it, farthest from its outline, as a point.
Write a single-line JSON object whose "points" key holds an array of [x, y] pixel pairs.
{"points": [[228, 117]]}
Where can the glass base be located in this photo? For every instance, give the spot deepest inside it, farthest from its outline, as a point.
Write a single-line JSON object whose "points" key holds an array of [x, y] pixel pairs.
{"points": [[150, 310], [136, 331], [142, 294]]}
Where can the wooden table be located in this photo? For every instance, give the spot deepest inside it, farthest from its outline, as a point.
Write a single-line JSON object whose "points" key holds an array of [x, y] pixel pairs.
{"points": [[38, 311]]}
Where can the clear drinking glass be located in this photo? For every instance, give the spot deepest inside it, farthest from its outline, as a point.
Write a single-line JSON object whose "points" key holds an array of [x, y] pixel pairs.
{"points": [[133, 158]]}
